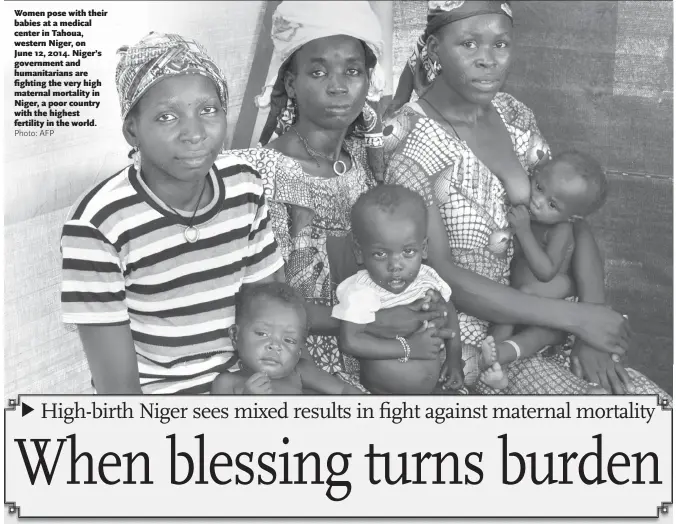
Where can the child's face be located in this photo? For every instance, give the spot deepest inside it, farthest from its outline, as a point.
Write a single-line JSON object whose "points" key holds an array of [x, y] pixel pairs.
{"points": [[391, 248], [270, 337], [179, 126], [558, 193]]}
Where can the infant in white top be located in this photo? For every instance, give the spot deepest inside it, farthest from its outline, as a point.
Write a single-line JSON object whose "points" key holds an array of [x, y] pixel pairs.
{"points": [[389, 223], [360, 297]]}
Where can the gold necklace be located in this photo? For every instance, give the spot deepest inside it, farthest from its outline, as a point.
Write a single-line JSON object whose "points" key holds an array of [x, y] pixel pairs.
{"points": [[314, 154]]}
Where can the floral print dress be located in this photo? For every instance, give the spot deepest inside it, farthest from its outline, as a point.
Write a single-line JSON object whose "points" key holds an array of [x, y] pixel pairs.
{"points": [[311, 222], [422, 156]]}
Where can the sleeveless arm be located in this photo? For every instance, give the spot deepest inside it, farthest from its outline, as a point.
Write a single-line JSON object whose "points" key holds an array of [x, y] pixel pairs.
{"points": [[112, 358], [545, 264]]}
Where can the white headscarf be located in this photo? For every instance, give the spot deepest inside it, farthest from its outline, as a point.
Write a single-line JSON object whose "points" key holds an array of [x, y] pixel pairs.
{"points": [[295, 23]]}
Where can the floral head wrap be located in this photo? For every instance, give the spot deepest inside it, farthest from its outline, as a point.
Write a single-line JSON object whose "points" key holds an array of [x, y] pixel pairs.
{"points": [[294, 24], [421, 70], [158, 56]]}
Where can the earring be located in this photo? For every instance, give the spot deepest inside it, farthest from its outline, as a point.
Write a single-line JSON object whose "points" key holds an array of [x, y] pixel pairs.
{"points": [[136, 157], [369, 117], [287, 117], [437, 68]]}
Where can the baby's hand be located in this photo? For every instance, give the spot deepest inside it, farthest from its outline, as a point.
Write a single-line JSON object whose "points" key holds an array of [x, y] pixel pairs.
{"points": [[258, 384], [452, 375], [519, 218], [432, 296]]}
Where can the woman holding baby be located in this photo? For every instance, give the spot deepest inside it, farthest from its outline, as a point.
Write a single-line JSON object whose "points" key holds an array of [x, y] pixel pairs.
{"points": [[322, 150], [464, 147], [467, 158], [467, 148]]}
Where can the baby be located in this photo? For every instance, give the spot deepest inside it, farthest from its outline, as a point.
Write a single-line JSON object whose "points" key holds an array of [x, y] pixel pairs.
{"points": [[569, 187], [389, 224], [269, 335]]}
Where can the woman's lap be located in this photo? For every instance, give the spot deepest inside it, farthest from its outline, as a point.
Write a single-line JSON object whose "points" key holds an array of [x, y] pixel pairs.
{"points": [[541, 374], [548, 373]]}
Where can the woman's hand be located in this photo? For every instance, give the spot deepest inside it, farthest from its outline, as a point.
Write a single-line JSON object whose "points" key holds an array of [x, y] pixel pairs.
{"points": [[428, 341], [600, 368], [602, 328], [452, 375], [405, 320]]}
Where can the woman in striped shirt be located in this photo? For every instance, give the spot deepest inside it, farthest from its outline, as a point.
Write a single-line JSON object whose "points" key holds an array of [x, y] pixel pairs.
{"points": [[154, 255]]}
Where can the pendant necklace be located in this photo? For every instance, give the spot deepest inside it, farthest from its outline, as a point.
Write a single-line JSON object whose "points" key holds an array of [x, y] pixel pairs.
{"points": [[498, 240], [315, 154], [191, 233]]}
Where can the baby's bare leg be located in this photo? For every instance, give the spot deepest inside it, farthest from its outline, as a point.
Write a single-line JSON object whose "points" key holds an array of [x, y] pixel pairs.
{"points": [[532, 339], [561, 286], [501, 332], [529, 341], [493, 374]]}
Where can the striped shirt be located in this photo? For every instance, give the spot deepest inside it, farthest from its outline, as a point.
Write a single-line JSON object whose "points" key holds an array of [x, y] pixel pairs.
{"points": [[360, 297], [126, 260]]}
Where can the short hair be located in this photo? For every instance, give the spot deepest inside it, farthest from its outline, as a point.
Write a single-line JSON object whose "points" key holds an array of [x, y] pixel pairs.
{"points": [[591, 171], [270, 290], [388, 198]]}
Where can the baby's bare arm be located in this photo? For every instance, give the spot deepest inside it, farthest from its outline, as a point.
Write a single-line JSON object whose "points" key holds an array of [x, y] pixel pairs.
{"points": [[546, 264], [453, 345], [322, 382], [452, 374], [228, 384]]}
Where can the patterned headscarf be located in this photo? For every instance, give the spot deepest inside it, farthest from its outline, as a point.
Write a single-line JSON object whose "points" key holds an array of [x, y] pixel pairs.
{"points": [[421, 71], [294, 24], [158, 56]]}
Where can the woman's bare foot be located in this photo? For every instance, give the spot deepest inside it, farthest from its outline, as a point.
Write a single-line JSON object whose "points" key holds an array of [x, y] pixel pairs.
{"points": [[489, 354], [495, 377]]}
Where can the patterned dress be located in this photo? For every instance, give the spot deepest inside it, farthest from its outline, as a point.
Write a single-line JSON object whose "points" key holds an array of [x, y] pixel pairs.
{"points": [[422, 156], [311, 221]]}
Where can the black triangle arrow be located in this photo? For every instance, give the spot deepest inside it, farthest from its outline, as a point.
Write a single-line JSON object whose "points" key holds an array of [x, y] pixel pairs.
{"points": [[25, 409]]}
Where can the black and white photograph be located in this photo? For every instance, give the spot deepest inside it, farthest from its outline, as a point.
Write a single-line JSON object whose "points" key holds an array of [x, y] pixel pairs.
{"points": [[513, 167], [325, 198]]}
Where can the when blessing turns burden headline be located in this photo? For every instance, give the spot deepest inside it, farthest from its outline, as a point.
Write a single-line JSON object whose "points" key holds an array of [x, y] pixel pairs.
{"points": [[194, 459]]}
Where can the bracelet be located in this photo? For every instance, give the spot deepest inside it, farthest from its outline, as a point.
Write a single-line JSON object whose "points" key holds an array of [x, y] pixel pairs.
{"points": [[374, 140], [516, 347], [407, 349]]}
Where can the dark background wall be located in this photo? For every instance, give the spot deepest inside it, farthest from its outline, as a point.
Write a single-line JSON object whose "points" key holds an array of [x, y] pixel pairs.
{"points": [[599, 77]]}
